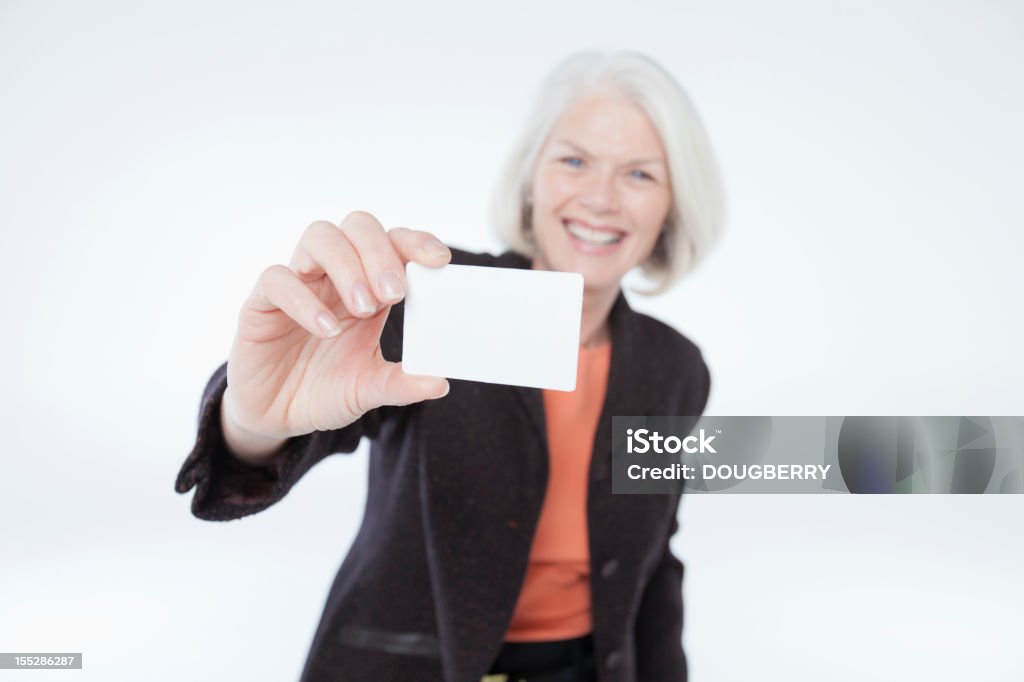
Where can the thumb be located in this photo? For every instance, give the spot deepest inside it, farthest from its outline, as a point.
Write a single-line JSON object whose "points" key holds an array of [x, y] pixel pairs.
{"points": [[390, 385]]}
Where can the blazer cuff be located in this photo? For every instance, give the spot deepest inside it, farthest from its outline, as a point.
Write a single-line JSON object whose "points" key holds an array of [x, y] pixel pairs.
{"points": [[228, 488]]}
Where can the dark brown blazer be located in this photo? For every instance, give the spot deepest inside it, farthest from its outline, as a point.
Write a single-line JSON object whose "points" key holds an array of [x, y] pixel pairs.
{"points": [[456, 485]]}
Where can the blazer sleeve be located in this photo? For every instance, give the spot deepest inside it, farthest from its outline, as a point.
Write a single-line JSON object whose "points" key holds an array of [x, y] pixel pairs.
{"points": [[659, 625], [658, 630], [227, 488]]}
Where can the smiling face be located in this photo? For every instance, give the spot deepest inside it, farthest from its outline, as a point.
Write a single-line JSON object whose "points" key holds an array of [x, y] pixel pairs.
{"points": [[601, 191]]}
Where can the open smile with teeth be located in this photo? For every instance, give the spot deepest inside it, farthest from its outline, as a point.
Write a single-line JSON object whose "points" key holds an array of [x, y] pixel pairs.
{"points": [[591, 235]]}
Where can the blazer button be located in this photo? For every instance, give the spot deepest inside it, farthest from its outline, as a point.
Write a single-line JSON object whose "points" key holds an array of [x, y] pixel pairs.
{"points": [[608, 568], [613, 660], [513, 524]]}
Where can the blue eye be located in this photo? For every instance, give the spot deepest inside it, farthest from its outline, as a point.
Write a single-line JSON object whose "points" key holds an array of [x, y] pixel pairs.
{"points": [[573, 161], [639, 174]]}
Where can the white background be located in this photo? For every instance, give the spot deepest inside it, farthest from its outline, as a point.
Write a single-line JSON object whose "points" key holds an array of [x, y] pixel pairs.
{"points": [[155, 157]]}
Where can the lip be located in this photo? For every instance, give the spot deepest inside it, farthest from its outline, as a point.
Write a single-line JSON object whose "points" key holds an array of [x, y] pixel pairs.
{"points": [[593, 226], [593, 249]]}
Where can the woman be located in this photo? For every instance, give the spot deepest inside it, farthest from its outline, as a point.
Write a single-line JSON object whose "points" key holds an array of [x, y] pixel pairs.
{"points": [[492, 547]]}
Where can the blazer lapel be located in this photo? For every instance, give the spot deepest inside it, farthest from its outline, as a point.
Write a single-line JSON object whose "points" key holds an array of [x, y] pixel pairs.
{"points": [[625, 378], [622, 393], [624, 388]]}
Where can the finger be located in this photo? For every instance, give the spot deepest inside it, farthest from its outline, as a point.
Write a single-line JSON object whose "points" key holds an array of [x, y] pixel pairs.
{"points": [[419, 246], [278, 288], [383, 268], [323, 249], [390, 385]]}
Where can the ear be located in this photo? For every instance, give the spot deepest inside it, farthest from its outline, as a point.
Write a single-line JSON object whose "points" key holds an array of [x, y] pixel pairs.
{"points": [[526, 219]]}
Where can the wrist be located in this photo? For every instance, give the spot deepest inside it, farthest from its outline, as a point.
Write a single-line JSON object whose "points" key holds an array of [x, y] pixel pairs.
{"points": [[244, 444]]}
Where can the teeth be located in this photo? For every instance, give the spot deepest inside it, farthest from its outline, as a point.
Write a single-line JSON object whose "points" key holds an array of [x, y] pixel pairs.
{"points": [[592, 236]]}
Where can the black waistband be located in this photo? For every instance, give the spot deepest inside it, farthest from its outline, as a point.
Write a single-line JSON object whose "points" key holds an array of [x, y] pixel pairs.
{"points": [[526, 658]]}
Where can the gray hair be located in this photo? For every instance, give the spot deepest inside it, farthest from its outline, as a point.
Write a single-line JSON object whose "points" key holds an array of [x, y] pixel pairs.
{"points": [[697, 216]]}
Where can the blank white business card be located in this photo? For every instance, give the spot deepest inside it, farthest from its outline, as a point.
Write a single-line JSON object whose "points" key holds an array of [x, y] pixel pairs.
{"points": [[497, 325]]}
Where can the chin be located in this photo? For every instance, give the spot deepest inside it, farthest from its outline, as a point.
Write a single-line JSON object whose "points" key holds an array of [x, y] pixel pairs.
{"points": [[599, 280], [597, 276], [602, 268]]}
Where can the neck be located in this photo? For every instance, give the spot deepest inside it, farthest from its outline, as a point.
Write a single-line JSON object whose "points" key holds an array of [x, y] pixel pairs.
{"points": [[595, 327]]}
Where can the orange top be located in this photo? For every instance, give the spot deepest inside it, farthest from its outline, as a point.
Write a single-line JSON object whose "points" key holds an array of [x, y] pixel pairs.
{"points": [[554, 601]]}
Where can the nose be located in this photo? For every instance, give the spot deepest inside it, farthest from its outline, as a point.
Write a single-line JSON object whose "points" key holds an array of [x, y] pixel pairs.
{"points": [[600, 194]]}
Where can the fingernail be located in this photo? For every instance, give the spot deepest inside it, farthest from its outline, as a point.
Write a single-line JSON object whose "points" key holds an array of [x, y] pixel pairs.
{"points": [[435, 249], [447, 387], [391, 286], [363, 299], [328, 324]]}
